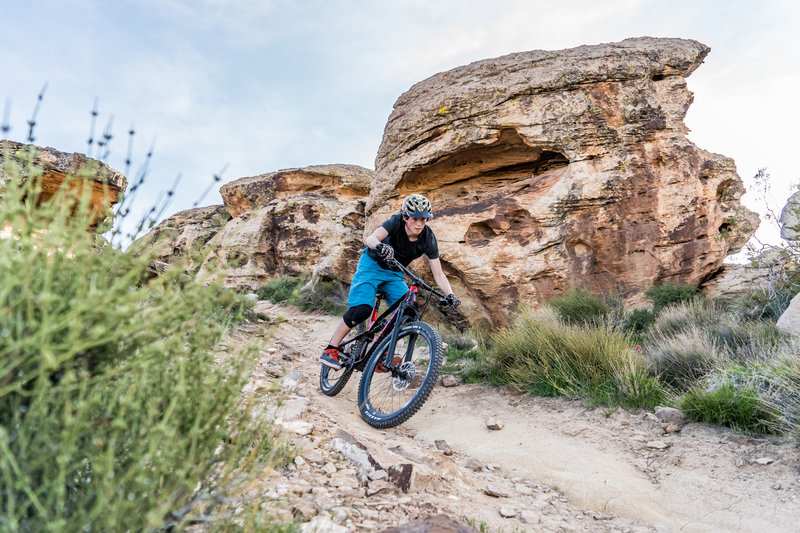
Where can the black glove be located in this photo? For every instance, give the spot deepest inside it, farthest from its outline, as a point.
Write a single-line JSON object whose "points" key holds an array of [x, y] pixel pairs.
{"points": [[385, 251], [452, 300]]}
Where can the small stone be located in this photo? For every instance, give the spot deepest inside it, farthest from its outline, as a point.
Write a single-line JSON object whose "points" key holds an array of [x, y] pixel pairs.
{"points": [[497, 492], [449, 380], [670, 415], [296, 426], [443, 447], [303, 511], [377, 473], [508, 512], [777, 486], [672, 428], [474, 465], [765, 460], [529, 517], [638, 438], [299, 461], [379, 487], [313, 456], [494, 424], [603, 517], [522, 489], [657, 445], [329, 468]]}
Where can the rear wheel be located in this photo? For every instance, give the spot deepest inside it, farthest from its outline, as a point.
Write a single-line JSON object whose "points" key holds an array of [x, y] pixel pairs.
{"points": [[388, 399], [331, 382]]}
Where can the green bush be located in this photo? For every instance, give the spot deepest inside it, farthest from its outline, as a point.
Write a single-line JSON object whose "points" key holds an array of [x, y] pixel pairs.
{"points": [[669, 293], [114, 414], [326, 296], [639, 320], [739, 408], [284, 289], [579, 307], [546, 357]]}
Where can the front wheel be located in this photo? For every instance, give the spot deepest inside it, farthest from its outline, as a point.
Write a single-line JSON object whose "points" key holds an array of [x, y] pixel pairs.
{"points": [[389, 398]]}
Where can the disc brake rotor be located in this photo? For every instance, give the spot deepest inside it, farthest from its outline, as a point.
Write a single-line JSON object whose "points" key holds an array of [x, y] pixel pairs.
{"points": [[406, 373]]}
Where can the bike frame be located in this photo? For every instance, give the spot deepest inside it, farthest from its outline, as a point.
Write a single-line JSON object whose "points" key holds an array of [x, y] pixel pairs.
{"points": [[398, 317]]}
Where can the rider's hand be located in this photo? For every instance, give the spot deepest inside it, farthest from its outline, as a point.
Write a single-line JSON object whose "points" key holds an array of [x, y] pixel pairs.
{"points": [[385, 251], [452, 300]]}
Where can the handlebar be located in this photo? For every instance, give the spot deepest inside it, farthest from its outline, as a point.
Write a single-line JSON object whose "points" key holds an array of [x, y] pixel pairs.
{"points": [[451, 314], [417, 280]]}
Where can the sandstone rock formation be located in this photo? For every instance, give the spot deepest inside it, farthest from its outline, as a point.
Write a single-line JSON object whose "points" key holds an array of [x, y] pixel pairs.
{"points": [[790, 218], [565, 169], [296, 221], [183, 235], [78, 172]]}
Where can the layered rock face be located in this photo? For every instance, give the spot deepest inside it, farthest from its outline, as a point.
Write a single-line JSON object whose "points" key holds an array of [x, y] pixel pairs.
{"points": [[292, 222], [568, 169], [78, 172]]}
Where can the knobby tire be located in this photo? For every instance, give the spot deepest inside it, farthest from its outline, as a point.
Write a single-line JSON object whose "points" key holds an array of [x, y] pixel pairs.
{"points": [[386, 401]]}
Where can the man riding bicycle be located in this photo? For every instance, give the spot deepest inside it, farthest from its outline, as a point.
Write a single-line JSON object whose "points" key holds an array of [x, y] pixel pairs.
{"points": [[404, 237]]}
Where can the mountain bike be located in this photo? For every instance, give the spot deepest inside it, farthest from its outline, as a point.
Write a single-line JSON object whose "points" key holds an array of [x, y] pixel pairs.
{"points": [[399, 356]]}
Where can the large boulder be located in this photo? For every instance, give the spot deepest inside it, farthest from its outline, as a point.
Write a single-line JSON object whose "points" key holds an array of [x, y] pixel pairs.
{"points": [[301, 221], [566, 169], [79, 173], [789, 321], [183, 235]]}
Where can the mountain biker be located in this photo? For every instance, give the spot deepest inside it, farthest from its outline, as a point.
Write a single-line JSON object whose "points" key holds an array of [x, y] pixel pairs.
{"points": [[404, 237]]}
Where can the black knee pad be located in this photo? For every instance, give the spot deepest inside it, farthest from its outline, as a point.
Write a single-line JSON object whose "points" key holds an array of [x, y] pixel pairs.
{"points": [[356, 315]]}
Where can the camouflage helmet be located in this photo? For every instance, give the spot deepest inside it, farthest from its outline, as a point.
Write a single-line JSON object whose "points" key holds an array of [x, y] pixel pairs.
{"points": [[417, 206]]}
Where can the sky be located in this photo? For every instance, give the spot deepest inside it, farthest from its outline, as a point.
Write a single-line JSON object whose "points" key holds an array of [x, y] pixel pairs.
{"points": [[236, 88]]}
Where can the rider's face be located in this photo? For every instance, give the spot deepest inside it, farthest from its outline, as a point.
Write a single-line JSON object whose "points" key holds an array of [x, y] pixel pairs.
{"points": [[415, 225]]}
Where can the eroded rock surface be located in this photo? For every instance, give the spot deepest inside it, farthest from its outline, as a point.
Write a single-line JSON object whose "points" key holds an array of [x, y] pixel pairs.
{"points": [[105, 185], [551, 170], [184, 234], [296, 221]]}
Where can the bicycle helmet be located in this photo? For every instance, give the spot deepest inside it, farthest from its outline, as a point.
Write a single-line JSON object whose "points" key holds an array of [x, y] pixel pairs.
{"points": [[417, 206]]}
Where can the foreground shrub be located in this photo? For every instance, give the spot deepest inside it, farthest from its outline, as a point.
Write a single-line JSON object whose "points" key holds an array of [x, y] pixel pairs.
{"points": [[539, 354], [114, 415]]}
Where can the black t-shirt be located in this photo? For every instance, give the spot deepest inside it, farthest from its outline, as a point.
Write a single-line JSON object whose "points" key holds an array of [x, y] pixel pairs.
{"points": [[406, 251]]}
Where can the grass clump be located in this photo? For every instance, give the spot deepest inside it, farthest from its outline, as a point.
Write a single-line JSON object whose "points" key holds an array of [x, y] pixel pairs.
{"points": [[116, 411], [740, 408], [579, 307], [326, 296], [546, 357]]}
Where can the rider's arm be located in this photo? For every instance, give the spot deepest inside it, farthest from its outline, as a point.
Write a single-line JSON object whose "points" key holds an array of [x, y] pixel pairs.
{"points": [[439, 275], [374, 238]]}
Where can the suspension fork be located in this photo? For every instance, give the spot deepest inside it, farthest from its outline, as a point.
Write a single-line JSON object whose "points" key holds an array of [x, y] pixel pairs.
{"points": [[399, 318]]}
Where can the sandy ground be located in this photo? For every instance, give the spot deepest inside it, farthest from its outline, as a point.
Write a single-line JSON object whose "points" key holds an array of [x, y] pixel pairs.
{"points": [[592, 469]]}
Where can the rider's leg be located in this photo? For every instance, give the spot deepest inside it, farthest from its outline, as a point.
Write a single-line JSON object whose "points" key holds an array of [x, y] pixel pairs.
{"points": [[362, 294]]}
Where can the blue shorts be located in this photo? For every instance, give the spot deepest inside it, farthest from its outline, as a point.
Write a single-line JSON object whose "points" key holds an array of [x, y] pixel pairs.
{"points": [[370, 278]]}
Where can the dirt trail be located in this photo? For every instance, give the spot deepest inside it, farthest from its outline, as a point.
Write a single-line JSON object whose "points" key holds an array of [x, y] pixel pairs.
{"points": [[622, 466]]}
